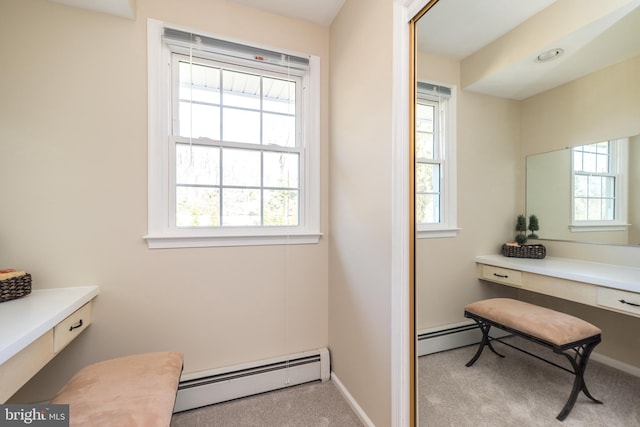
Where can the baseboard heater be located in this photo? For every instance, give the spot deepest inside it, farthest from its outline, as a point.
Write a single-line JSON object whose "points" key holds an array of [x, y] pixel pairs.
{"points": [[219, 385], [448, 337]]}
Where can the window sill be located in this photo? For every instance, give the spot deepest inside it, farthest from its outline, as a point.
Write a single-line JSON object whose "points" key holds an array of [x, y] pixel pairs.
{"points": [[436, 234], [171, 242], [588, 228]]}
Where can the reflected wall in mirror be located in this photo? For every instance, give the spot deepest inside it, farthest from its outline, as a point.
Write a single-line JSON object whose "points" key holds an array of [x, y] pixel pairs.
{"points": [[612, 217]]}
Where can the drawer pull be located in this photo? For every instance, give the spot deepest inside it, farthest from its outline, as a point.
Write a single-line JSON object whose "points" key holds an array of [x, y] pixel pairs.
{"points": [[502, 276], [76, 326], [629, 303]]}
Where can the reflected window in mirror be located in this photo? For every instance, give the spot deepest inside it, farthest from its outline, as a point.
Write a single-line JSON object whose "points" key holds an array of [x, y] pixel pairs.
{"points": [[435, 161], [599, 177]]}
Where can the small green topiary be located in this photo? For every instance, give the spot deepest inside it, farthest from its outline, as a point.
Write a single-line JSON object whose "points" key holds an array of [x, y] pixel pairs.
{"points": [[521, 228], [533, 227]]}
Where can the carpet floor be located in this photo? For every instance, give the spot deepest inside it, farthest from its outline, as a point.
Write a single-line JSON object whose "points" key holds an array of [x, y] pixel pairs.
{"points": [[308, 405], [519, 390]]}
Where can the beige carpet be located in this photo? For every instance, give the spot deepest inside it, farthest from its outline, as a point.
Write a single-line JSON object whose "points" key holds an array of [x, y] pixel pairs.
{"points": [[309, 405], [515, 391], [520, 390]]}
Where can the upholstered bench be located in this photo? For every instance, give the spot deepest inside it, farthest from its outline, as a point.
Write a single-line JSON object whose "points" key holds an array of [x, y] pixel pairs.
{"points": [[564, 334], [138, 390]]}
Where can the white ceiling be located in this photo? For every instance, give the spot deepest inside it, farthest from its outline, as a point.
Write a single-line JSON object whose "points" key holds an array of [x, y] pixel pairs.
{"points": [[319, 11], [461, 29], [457, 28]]}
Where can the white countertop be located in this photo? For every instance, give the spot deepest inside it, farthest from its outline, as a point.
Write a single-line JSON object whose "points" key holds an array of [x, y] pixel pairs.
{"points": [[25, 319], [607, 275]]}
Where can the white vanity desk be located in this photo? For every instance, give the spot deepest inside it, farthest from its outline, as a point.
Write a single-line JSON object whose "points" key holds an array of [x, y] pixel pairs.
{"points": [[607, 286], [35, 328]]}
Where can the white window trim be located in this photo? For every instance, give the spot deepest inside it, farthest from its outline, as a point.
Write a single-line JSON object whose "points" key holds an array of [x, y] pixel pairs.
{"points": [[160, 233], [621, 172], [448, 226]]}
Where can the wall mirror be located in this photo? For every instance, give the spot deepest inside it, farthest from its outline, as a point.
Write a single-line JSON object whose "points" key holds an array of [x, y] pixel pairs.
{"points": [[569, 72], [587, 194]]}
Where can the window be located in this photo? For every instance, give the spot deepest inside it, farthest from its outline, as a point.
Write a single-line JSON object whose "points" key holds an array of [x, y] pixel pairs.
{"points": [[435, 181], [598, 186], [233, 142]]}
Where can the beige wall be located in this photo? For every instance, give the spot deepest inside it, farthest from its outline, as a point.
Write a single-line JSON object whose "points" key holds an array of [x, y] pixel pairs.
{"points": [[488, 131], [360, 213], [73, 144]]}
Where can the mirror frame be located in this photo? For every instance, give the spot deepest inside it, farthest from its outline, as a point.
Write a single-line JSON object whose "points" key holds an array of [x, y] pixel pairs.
{"points": [[413, 46]]}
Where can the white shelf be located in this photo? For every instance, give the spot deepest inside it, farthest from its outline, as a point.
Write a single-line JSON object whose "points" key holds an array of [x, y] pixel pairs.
{"points": [[25, 319], [606, 275]]}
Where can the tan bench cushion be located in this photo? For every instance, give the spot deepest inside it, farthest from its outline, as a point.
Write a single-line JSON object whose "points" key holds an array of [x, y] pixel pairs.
{"points": [[138, 390], [543, 323]]}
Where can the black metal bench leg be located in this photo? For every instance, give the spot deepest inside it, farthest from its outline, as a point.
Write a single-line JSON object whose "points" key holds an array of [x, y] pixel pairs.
{"points": [[579, 363], [486, 341]]}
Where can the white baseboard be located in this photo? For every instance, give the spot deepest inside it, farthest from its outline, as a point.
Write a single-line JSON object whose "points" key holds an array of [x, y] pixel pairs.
{"points": [[351, 401], [621, 366], [219, 385], [454, 335]]}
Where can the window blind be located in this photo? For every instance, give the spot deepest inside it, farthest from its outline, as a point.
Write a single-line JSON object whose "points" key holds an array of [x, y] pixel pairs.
{"points": [[238, 50], [433, 89]]}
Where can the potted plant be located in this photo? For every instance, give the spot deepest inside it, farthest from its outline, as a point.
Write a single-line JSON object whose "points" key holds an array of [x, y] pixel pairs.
{"points": [[518, 248], [533, 227], [521, 230]]}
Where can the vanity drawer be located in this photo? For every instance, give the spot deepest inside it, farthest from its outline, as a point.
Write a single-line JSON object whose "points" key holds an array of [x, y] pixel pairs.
{"points": [[502, 275], [628, 302], [65, 331]]}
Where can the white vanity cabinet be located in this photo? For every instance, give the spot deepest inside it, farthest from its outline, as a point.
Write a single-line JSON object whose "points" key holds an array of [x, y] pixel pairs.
{"points": [[608, 286], [35, 328]]}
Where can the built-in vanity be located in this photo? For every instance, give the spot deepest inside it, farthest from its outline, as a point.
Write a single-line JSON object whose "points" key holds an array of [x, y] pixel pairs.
{"points": [[607, 286], [36, 328]]}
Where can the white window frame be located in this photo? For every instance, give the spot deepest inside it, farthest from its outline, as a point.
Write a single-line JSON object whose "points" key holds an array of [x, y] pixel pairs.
{"points": [[618, 168], [162, 233], [448, 225]]}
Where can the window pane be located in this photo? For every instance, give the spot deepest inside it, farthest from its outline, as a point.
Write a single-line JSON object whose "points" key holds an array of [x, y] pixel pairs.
{"points": [[281, 170], [281, 207], [424, 145], [199, 83], [241, 126], [427, 178], [427, 209], [241, 168], [279, 96], [240, 207], [199, 121], [279, 130], [581, 185], [589, 162], [608, 186], [595, 186], [241, 90], [594, 207], [197, 207], [197, 164], [424, 118], [608, 209], [580, 209]]}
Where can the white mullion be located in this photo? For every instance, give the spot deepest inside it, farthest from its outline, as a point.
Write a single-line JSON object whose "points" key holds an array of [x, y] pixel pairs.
{"points": [[221, 145], [261, 150]]}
